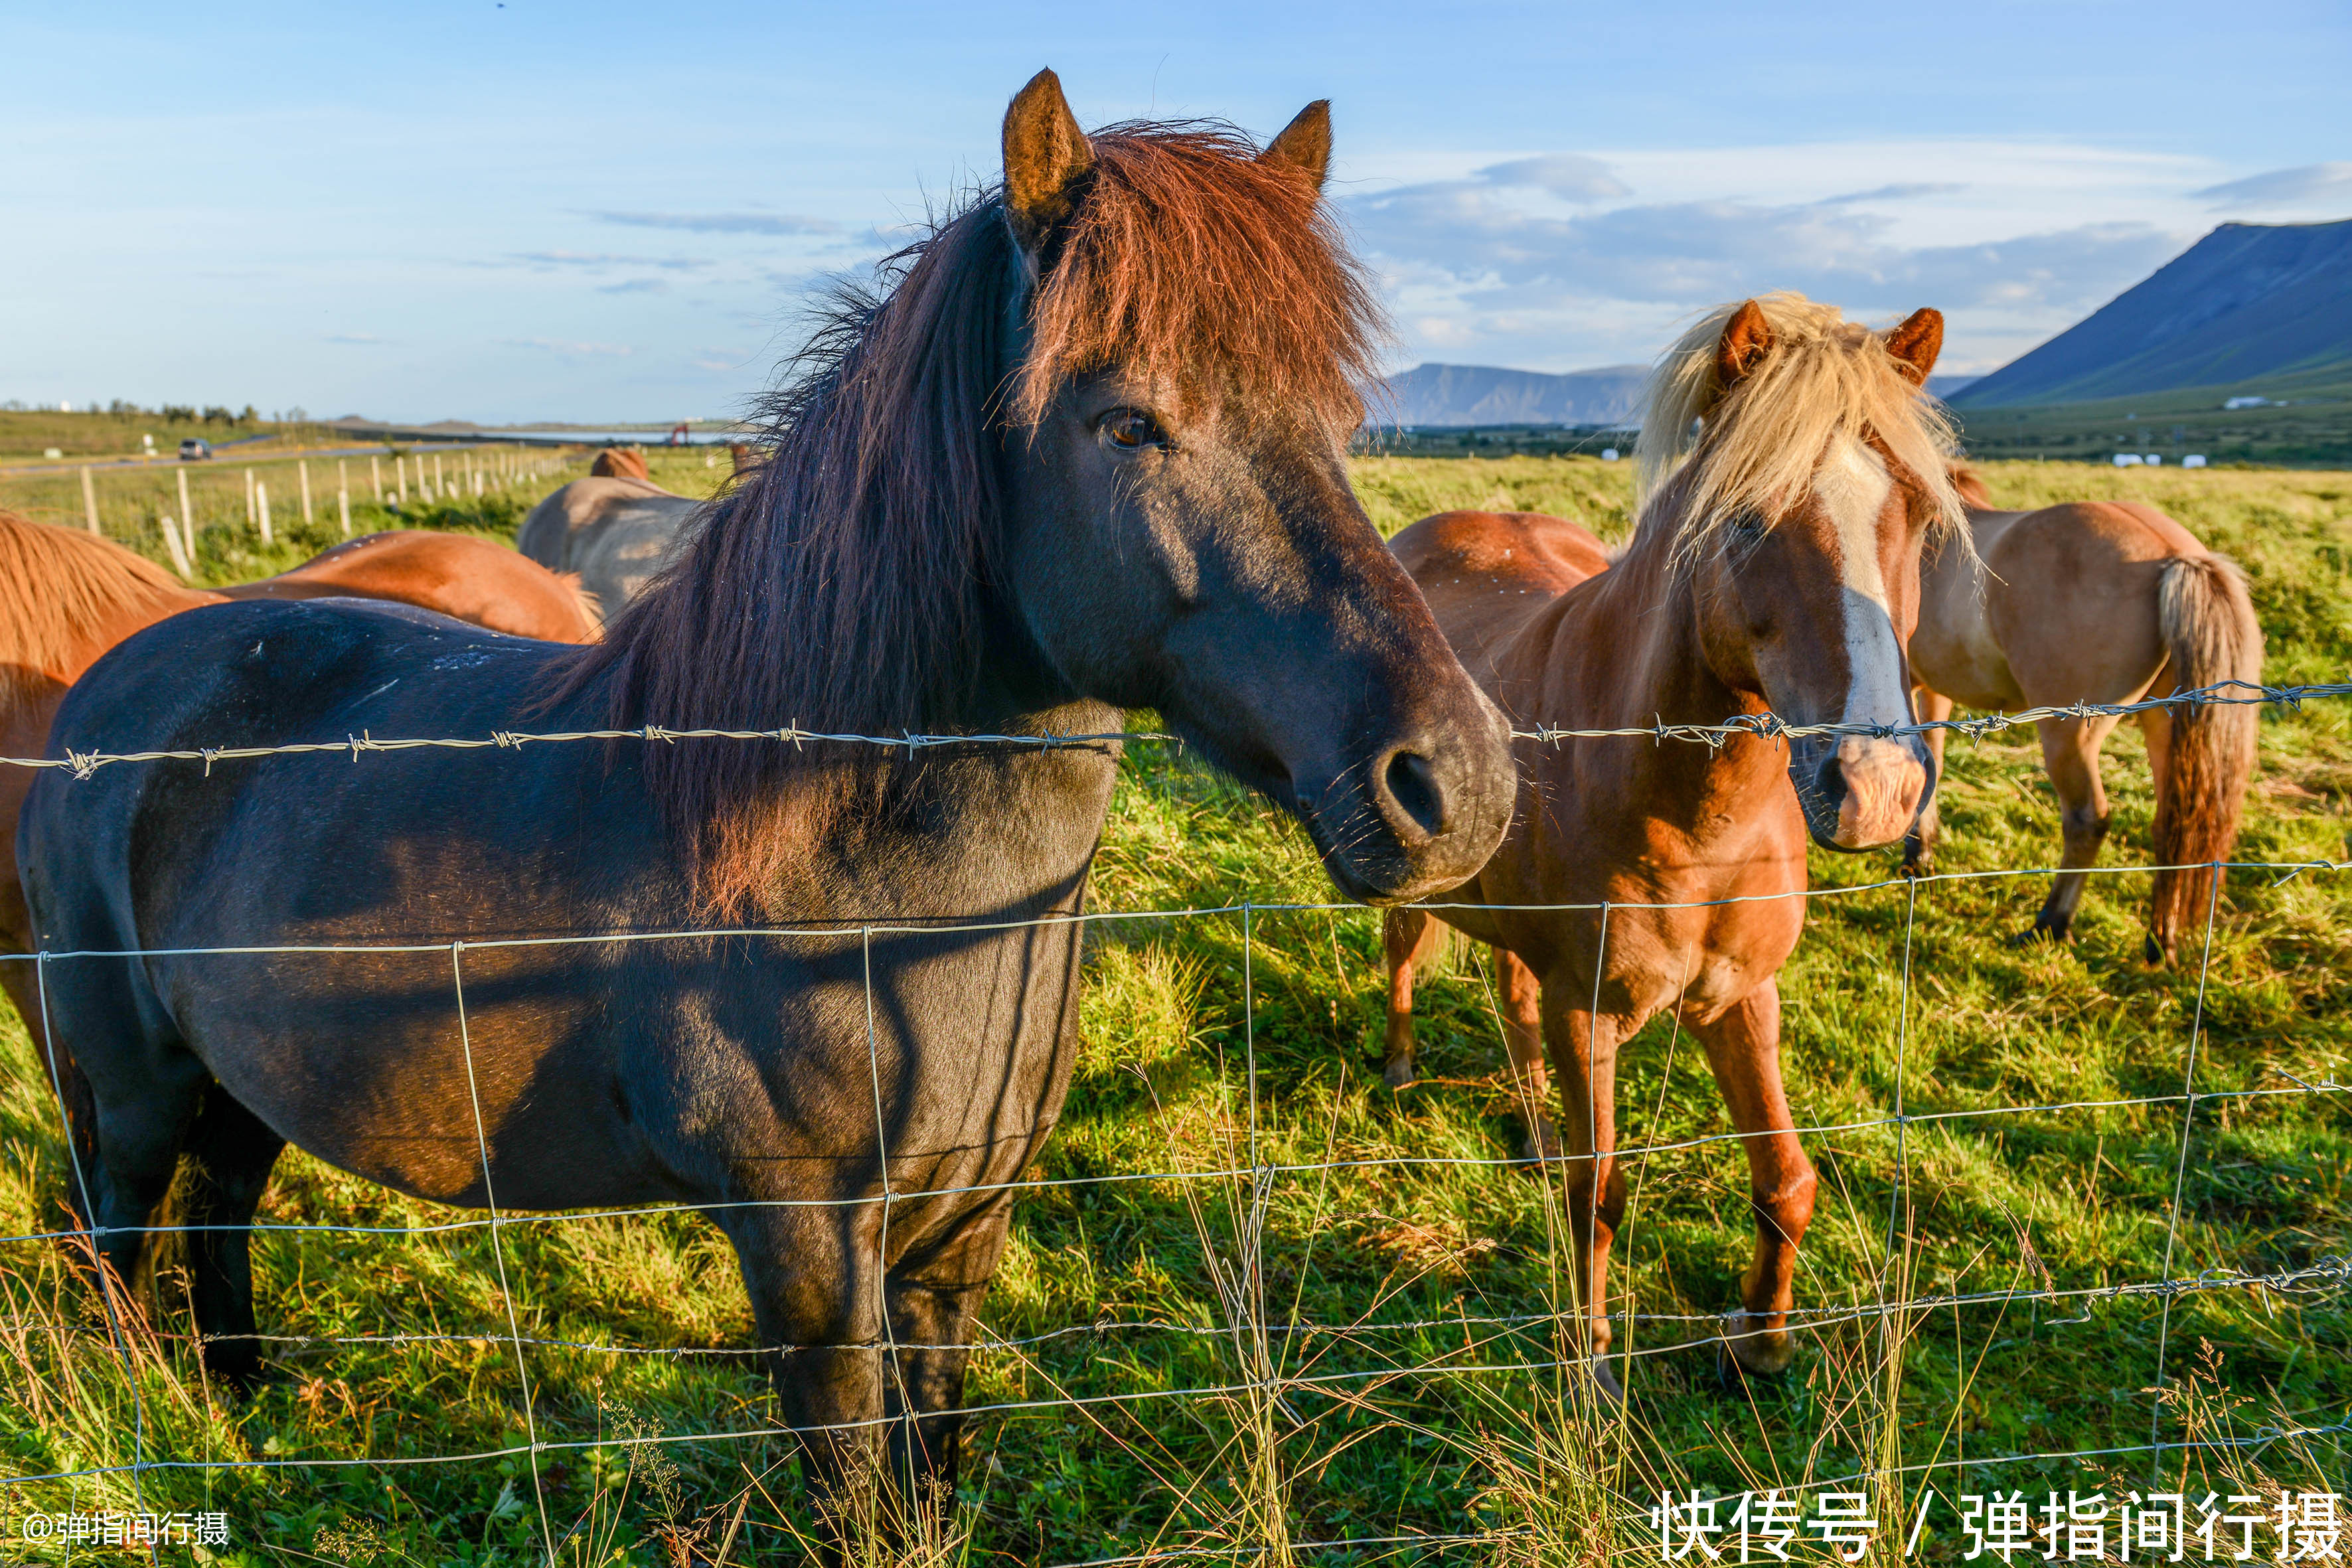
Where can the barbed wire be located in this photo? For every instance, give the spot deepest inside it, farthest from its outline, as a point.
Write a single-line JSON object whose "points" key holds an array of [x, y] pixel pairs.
{"points": [[1766, 726], [1250, 1330]]}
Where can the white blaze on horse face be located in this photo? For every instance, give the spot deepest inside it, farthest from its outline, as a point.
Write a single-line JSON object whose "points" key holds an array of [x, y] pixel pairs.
{"points": [[1883, 777], [1852, 486]]}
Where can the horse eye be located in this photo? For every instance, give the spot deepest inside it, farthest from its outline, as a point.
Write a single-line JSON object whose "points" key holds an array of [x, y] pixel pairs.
{"points": [[1131, 430]]}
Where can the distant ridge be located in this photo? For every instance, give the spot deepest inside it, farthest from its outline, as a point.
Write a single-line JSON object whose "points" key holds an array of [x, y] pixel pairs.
{"points": [[2245, 302], [1441, 394]]}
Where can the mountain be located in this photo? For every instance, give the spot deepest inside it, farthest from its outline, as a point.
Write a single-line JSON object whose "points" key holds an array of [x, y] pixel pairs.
{"points": [[2245, 302], [1484, 394]]}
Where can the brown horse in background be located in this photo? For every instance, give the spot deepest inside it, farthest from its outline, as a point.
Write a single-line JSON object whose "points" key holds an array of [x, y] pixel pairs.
{"points": [[1774, 567], [621, 463], [2097, 602], [67, 597]]}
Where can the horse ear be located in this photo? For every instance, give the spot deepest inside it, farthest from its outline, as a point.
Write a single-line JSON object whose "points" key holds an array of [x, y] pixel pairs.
{"points": [[1305, 143], [1916, 343], [1045, 154], [1747, 339]]}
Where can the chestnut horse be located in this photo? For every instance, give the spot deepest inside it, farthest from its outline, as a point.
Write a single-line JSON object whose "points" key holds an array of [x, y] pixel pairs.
{"points": [[2098, 602], [1087, 451], [67, 597], [1774, 566]]}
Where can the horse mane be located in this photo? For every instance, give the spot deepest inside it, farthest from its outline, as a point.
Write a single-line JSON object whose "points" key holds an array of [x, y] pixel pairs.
{"points": [[57, 584], [1969, 486], [842, 585], [1758, 444]]}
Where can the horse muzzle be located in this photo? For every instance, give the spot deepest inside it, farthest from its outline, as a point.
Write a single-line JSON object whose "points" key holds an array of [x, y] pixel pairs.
{"points": [[1418, 817], [1860, 791]]}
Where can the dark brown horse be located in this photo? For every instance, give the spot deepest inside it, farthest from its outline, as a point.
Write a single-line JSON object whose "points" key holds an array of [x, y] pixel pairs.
{"points": [[1087, 452], [1775, 568]]}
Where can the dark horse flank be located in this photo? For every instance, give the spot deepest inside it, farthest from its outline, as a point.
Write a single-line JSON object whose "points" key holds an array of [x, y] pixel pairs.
{"points": [[1085, 453]]}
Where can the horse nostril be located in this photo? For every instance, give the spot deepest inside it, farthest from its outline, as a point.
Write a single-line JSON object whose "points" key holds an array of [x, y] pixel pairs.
{"points": [[1830, 782], [1413, 785]]}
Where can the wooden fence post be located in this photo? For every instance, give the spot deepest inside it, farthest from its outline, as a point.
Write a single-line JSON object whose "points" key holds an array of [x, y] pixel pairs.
{"points": [[89, 499], [376, 478], [249, 498], [261, 501], [303, 468], [399, 481], [187, 513], [343, 500], [171, 544]]}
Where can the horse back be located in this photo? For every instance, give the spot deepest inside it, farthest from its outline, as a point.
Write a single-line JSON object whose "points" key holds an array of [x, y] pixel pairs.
{"points": [[453, 574], [616, 533], [1486, 574]]}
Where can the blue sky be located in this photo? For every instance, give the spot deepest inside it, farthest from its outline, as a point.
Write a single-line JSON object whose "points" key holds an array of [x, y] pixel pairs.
{"points": [[595, 212]]}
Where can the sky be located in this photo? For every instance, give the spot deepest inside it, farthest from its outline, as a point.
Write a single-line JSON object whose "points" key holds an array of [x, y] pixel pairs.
{"points": [[587, 212]]}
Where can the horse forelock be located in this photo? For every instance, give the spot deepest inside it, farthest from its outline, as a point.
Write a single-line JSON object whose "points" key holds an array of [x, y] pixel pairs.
{"points": [[1191, 262], [59, 586], [1825, 383], [840, 585]]}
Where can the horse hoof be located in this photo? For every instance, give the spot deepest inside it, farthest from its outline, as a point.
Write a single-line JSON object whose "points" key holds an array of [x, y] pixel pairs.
{"points": [[1912, 868], [2152, 953], [2046, 931], [1745, 1351], [1397, 1072], [1607, 1391], [1541, 1145]]}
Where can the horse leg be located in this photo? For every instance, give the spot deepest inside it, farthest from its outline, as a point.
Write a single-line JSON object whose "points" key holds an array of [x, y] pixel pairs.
{"points": [[229, 1155], [2070, 753], [932, 1307], [1584, 1058], [1743, 1048], [813, 1277], [1523, 1039], [1409, 935], [1919, 843]]}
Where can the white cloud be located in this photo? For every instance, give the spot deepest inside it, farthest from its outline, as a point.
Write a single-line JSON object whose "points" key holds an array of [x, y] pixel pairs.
{"points": [[2312, 185], [723, 223], [571, 349], [599, 258], [636, 285], [1531, 261]]}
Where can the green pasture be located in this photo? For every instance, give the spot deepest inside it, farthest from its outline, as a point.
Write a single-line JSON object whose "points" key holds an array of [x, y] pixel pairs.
{"points": [[1374, 1328]]}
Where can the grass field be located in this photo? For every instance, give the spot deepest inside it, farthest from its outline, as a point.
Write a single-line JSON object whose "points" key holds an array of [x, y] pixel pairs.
{"points": [[1380, 1430]]}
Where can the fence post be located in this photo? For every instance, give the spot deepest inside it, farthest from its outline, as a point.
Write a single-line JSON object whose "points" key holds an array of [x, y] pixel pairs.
{"points": [[343, 473], [375, 477], [303, 468], [440, 485], [89, 499], [171, 544], [399, 481], [261, 502], [343, 500], [187, 513]]}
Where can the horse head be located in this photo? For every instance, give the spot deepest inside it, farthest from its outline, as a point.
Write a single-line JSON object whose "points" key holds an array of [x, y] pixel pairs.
{"points": [[1815, 476]]}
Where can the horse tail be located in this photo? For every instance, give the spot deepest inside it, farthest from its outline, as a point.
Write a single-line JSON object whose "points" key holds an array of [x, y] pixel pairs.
{"points": [[2208, 626]]}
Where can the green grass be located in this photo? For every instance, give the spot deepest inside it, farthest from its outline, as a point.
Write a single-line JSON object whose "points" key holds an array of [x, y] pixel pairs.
{"points": [[1396, 1438]]}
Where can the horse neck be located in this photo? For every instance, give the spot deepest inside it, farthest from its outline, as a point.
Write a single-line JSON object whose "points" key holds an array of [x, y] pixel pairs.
{"points": [[1639, 649]]}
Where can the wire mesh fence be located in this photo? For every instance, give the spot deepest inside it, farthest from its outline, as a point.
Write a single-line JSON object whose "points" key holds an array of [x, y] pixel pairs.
{"points": [[1288, 1392]]}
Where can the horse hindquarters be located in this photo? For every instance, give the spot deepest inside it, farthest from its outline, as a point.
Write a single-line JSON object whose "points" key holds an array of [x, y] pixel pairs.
{"points": [[2203, 754]]}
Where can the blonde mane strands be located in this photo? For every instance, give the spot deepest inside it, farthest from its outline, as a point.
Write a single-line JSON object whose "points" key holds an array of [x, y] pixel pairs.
{"points": [[1186, 256], [1758, 447], [57, 584]]}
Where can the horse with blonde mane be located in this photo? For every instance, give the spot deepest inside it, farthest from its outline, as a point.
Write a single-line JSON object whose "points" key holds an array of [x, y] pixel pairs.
{"points": [[1774, 567], [67, 597], [2098, 602]]}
